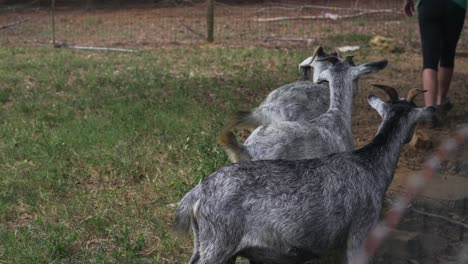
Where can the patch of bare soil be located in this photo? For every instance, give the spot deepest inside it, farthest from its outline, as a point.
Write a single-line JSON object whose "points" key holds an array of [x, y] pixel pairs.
{"points": [[429, 232]]}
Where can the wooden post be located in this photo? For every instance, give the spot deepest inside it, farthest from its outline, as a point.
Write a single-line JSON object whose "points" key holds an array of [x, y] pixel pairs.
{"points": [[210, 21], [53, 23]]}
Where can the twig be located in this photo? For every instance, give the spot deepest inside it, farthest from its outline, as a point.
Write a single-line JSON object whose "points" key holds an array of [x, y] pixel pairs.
{"points": [[193, 31], [279, 7], [147, 253], [86, 219], [93, 48], [276, 19], [13, 24], [95, 241], [325, 16], [293, 7], [308, 40], [440, 217]]}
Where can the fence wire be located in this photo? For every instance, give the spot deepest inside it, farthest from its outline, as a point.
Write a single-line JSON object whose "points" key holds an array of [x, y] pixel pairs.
{"points": [[273, 24]]}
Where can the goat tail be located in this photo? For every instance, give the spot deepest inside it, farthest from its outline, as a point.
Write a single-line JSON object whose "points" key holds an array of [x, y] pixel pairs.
{"points": [[235, 150], [245, 119], [186, 213]]}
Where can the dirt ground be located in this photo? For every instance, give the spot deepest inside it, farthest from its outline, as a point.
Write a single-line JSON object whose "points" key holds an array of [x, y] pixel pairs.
{"points": [[423, 238], [144, 28]]}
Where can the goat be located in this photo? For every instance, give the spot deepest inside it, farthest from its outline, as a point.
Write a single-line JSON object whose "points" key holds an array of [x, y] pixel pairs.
{"points": [[311, 137], [297, 101], [315, 61], [283, 211], [287, 101]]}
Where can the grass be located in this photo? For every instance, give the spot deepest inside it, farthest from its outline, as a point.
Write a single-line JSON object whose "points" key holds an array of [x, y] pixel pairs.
{"points": [[95, 147]]}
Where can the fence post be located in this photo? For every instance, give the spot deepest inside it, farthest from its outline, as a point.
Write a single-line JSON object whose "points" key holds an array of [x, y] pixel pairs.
{"points": [[210, 21], [53, 23]]}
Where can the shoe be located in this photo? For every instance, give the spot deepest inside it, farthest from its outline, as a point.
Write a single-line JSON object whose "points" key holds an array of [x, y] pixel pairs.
{"points": [[445, 107], [434, 121]]}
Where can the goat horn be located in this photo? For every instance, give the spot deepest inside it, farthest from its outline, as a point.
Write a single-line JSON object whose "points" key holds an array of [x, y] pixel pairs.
{"points": [[317, 52], [392, 92], [412, 94], [338, 53]]}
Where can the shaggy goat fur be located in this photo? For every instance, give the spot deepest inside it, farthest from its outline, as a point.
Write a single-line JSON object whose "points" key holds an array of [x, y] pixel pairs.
{"points": [[283, 211], [307, 138]]}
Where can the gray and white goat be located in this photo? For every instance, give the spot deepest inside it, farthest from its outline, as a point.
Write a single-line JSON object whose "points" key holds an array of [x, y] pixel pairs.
{"points": [[310, 137], [283, 211], [290, 102]]}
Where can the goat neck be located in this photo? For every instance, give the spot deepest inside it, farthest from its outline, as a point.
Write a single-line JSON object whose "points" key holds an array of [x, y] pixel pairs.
{"points": [[396, 130], [341, 98]]}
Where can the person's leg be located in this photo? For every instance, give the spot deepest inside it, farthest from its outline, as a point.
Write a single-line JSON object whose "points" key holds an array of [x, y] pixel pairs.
{"points": [[452, 26], [444, 80], [429, 16], [430, 84]]}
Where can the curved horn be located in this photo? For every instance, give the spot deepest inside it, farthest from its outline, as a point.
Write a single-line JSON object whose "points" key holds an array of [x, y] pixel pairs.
{"points": [[412, 94], [338, 53], [392, 92], [318, 51]]}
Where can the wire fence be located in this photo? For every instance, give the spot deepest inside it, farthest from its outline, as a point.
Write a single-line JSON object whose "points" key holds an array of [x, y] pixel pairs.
{"points": [[272, 24], [292, 24]]}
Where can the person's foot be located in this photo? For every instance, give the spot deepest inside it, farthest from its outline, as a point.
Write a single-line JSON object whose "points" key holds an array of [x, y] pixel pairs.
{"points": [[440, 115], [434, 121], [445, 106]]}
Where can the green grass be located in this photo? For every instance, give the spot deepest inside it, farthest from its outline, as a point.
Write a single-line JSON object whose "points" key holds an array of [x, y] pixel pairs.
{"points": [[95, 147]]}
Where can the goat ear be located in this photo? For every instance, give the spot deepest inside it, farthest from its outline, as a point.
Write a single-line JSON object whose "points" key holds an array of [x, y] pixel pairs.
{"points": [[306, 63], [369, 68], [337, 53], [380, 106]]}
